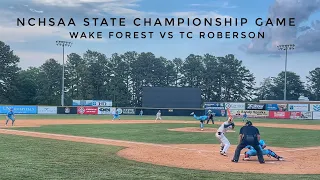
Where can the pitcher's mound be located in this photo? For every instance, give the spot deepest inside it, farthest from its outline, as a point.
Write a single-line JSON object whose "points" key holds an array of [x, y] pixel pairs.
{"points": [[197, 129]]}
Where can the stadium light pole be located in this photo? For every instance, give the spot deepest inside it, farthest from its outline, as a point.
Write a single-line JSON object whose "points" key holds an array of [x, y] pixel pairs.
{"points": [[63, 44], [285, 47]]}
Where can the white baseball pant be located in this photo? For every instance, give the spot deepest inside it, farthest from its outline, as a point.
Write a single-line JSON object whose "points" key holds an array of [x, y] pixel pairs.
{"points": [[225, 142]]}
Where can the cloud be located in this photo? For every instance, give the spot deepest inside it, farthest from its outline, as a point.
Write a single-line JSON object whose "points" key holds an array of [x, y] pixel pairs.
{"points": [[114, 7], [215, 5], [23, 34], [274, 55], [36, 58], [201, 15], [306, 38], [35, 11], [12, 33]]}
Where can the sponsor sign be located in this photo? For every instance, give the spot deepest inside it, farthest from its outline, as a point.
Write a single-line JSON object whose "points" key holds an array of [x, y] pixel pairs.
{"points": [[67, 110], [250, 113], [316, 115], [253, 106], [276, 107], [315, 107], [301, 115], [298, 107], [209, 105], [306, 115], [279, 114], [295, 115], [47, 110], [87, 110], [81, 102], [106, 110], [105, 103], [128, 111], [19, 109], [235, 106]]}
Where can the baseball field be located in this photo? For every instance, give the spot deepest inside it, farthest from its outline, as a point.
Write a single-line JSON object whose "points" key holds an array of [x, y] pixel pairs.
{"points": [[137, 147]]}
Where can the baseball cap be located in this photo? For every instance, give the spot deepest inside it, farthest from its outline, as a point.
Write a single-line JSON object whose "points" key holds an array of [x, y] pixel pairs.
{"points": [[249, 123]]}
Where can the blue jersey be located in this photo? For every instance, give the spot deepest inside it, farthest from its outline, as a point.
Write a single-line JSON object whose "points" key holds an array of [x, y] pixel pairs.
{"points": [[261, 144], [10, 114], [245, 115]]}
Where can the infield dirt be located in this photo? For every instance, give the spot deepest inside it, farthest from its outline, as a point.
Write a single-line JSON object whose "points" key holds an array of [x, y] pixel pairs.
{"points": [[192, 156]]}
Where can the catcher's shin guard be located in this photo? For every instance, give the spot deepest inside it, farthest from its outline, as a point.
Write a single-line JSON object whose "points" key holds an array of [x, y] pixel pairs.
{"points": [[273, 154]]}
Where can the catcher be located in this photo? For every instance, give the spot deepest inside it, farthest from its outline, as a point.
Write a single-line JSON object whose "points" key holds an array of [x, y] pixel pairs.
{"points": [[268, 152]]}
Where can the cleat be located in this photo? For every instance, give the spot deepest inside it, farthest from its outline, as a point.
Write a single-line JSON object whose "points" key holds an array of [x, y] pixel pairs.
{"points": [[246, 159], [234, 161], [192, 114], [280, 159], [201, 129], [262, 162]]}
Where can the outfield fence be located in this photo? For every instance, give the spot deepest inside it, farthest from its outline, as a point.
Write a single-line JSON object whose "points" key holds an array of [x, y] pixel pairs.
{"points": [[253, 110]]}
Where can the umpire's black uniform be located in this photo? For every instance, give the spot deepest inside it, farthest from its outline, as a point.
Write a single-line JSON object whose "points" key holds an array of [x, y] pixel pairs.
{"points": [[249, 136], [210, 117]]}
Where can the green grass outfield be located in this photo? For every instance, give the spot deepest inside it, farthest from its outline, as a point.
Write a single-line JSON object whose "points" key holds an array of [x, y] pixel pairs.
{"points": [[158, 133], [36, 158], [133, 117]]}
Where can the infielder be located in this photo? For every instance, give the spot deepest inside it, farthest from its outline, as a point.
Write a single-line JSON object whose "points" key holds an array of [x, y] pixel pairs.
{"points": [[225, 144], [245, 117], [158, 115], [141, 112], [262, 145], [10, 116], [116, 115], [202, 119]]}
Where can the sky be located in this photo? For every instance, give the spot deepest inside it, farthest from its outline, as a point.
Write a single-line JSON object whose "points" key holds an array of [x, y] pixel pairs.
{"points": [[35, 44]]}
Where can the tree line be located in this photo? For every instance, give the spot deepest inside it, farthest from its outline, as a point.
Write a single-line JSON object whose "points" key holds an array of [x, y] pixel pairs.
{"points": [[120, 78]]}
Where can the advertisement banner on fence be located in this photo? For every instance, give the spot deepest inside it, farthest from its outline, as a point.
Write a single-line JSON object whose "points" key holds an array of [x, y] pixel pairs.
{"points": [[19, 109], [213, 105], [254, 106], [315, 107], [301, 115], [276, 107], [106, 110], [81, 102], [47, 110], [127, 111], [235, 106], [316, 115], [106, 103], [279, 114], [298, 107], [67, 110], [295, 115], [217, 112], [306, 115], [87, 110], [250, 113]]}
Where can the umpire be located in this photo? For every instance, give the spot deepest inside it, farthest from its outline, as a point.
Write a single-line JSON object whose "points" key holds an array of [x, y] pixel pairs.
{"points": [[249, 135], [210, 117]]}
